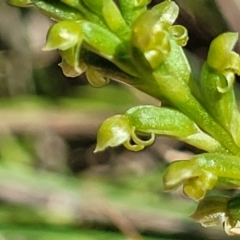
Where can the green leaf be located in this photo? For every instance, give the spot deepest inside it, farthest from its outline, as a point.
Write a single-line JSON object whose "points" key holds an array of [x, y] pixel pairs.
{"points": [[20, 3], [114, 19], [170, 122], [176, 68], [160, 120], [100, 40], [57, 10], [87, 9], [106, 44]]}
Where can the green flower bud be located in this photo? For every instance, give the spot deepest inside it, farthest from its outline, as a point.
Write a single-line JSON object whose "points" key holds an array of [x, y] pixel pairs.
{"points": [[63, 35]]}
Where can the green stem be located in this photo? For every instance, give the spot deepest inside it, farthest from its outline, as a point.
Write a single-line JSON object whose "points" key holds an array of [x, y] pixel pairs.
{"points": [[193, 109], [111, 71]]}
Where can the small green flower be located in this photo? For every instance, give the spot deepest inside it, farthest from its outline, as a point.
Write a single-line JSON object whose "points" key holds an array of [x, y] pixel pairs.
{"points": [[201, 173], [211, 211], [116, 131], [152, 120], [191, 176], [215, 210], [151, 35], [67, 37], [217, 79], [221, 56]]}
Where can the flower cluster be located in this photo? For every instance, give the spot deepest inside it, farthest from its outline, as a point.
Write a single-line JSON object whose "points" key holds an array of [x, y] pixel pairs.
{"points": [[142, 48]]}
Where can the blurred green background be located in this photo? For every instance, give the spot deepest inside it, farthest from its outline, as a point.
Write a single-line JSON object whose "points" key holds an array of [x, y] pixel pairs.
{"points": [[52, 186]]}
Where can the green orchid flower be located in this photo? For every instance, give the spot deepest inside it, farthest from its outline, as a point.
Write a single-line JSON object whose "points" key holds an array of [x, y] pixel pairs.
{"points": [[215, 210], [217, 83], [201, 173], [151, 120]]}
